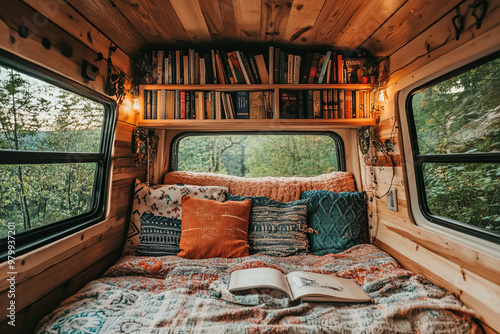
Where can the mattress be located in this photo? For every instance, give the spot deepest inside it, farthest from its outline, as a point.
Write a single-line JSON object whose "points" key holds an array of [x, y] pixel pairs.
{"points": [[175, 295]]}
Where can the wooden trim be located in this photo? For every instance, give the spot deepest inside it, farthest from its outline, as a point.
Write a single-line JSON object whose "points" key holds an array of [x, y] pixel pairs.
{"points": [[256, 125]]}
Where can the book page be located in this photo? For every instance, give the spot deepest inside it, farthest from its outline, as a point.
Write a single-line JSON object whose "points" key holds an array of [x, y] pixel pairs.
{"points": [[258, 278], [322, 287]]}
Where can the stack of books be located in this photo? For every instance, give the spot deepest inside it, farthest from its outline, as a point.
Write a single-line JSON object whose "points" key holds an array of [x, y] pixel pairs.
{"points": [[237, 67], [181, 104]]}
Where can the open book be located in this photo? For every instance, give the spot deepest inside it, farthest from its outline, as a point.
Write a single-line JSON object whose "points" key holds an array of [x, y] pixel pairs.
{"points": [[299, 285]]}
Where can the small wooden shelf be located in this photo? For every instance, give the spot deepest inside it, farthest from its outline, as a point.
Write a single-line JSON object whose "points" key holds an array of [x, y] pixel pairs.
{"points": [[239, 87], [255, 124]]}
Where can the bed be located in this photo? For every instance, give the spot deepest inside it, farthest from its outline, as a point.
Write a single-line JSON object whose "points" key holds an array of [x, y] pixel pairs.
{"points": [[172, 294]]}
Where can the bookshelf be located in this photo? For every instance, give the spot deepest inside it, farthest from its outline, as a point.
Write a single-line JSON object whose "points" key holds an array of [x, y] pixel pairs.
{"points": [[252, 124]]}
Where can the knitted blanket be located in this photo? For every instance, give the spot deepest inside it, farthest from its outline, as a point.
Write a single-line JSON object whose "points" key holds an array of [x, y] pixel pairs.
{"points": [[284, 189], [175, 295]]}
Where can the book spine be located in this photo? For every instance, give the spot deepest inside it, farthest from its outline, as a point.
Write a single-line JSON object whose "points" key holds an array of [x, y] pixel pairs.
{"points": [[348, 103], [253, 69], [185, 63], [271, 65], [276, 78], [206, 105], [317, 104], [161, 62], [335, 103], [341, 104], [261, 67], [318, 70], [355, 104], [235, 67], [182, 114], [212, 104], [242, 111], [243, 68], [154, 105], [218, 107], [301, 103], [187, 99], [214, 67], [290, 72], [340, 69], [330, 103], [147, 105], [328, 72], [324, 103], [163, 104], [154, 63], [283, 67], [296, 69], [177, 67], [324, 67], [227, 68], [202, 71], [192, 67], [220, 68], [313, 69]]}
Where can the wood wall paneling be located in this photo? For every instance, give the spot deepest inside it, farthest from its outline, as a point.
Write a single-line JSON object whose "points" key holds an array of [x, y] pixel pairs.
{"points": [[220, 19], [248, 19], [303, 16], [191, 17]]}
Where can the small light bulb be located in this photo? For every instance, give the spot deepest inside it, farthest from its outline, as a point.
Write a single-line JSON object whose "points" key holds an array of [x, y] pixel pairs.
{"points": [[136, 105], [381, 96]]}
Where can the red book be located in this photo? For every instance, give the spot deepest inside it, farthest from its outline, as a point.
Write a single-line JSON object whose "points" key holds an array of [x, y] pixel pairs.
{"points": [[314, 68], [183, 104], [340, 69]]}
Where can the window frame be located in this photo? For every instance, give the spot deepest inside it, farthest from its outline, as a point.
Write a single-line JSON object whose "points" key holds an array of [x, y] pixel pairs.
{"points": [[174, 144], [29, 240], [418, 159]]}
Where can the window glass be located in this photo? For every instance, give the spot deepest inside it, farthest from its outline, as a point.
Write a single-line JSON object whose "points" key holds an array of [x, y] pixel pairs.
{"points": [[54, 153], [456, 124], [36, 195], [38, 116], [258, 155], [461, 114]]}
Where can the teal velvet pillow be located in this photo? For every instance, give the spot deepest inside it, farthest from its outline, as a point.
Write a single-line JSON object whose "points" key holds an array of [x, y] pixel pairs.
{"points": [[339, 218], [276, 228]]}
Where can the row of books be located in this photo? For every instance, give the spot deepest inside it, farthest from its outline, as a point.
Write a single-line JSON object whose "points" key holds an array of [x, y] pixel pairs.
{"points": [[236, 67], [307, 104], [180, 104], [324, 103]]}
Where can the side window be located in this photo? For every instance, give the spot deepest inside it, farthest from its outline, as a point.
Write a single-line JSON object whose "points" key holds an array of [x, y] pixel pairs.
{"points": [[55, 146], [259, 154], [454, 127]]}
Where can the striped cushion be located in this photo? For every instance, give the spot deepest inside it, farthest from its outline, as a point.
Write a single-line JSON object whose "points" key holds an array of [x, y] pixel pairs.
{"points": [[276, 228], [160, 235]]}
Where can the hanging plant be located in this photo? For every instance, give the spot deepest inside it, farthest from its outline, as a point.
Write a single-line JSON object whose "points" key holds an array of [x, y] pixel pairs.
{"points": [[146, 68], [140, 139]]}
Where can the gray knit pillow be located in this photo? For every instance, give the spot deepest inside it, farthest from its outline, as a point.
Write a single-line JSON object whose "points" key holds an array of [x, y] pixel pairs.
{"points": [[276, 228]]}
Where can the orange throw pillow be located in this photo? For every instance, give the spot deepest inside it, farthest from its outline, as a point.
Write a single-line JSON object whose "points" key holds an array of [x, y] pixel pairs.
{"points": [[214, 229]]}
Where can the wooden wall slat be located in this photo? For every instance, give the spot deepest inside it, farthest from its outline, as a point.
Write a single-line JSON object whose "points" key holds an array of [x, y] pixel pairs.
{"points": [[274, 19], [248, 19], [220, 19], [303, 16], [105, 15], [191, 17], [407, 23]]}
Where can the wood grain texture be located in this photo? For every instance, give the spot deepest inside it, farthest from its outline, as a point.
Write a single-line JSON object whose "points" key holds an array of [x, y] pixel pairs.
{"points": [[303, 16], [65, 16], [113, 23], [220, 19], [407, 23], [191, 17], [248, 19], [365, 22], [274, 20]]}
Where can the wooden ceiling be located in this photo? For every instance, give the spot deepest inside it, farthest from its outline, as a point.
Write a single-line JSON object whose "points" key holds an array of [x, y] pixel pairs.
{"points": [[380, 26]]}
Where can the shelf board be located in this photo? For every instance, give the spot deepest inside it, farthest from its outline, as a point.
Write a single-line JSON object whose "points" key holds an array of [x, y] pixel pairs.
{"points": [[255, 124], [239, 87]]}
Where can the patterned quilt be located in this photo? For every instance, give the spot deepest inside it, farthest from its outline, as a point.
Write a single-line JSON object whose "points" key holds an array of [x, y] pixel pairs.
{"points": [[174, 295]]}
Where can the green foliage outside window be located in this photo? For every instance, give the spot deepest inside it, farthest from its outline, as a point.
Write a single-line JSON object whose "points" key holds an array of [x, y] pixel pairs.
{"points": [[462, 115], [37, 116], [259, 155]]}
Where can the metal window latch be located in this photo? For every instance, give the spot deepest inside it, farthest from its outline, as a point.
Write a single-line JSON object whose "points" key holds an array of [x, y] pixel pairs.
{"points": [[482, 7]]}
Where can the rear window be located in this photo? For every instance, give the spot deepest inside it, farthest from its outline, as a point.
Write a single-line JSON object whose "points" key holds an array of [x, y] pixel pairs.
{"points": [[259, 155]]}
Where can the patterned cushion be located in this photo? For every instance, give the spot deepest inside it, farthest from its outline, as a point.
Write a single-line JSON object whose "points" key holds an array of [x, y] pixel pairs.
{"points": [[276, 228], [339, 218], [160, 235], [163, 200], [213, 229]]}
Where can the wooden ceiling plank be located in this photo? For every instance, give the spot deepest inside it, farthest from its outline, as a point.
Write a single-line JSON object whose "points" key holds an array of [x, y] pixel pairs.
{"points": [[332, 19], [191, 16], [303, 16], [366, 21], [275, 15], [248, 19], [104, 15], [80, 28], [407, 23], [155, 20], [219, 18]]}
